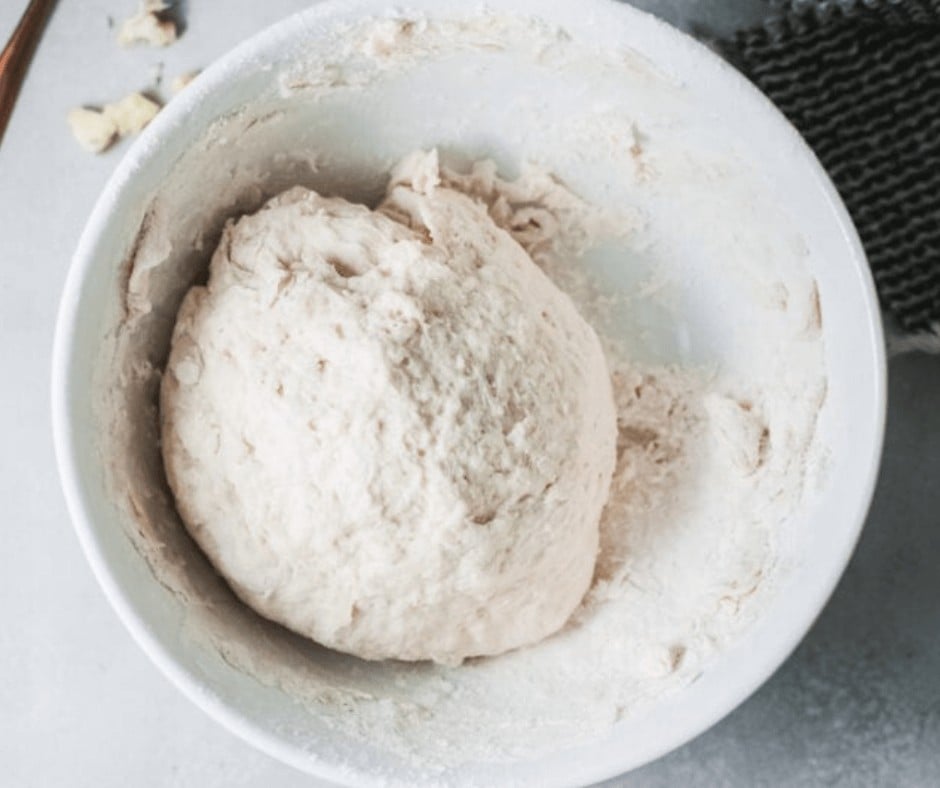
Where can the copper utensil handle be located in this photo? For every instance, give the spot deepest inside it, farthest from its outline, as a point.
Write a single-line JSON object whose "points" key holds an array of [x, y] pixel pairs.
{"points": [[14, 60]]}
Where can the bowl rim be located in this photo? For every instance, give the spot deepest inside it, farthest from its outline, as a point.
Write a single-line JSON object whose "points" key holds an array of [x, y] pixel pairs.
{"points": [[63, 363]]}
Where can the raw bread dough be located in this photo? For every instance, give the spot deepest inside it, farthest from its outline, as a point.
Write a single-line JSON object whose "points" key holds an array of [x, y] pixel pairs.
{"points": [[96, 130], [388, 429], [148, 26]]}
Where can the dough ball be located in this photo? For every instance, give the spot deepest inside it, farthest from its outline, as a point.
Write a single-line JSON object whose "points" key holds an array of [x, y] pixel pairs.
{"points": [[388, 430]]}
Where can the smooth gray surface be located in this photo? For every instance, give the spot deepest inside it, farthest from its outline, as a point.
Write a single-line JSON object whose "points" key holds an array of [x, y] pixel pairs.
{"points": [[80, 705]]}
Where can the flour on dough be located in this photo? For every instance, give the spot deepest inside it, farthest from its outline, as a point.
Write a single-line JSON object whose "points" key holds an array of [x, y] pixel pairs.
{"points": [[388, 429]]}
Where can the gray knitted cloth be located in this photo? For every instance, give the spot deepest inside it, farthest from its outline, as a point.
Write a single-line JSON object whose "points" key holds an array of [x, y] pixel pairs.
{"points": [[861, 81]]}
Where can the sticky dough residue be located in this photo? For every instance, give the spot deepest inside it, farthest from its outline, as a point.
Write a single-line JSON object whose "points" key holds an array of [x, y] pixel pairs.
{"points": [[709, 461]]}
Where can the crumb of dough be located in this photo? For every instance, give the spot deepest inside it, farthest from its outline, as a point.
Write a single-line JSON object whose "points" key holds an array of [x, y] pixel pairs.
{"points": [[131, 113], [97, 130], [94, 131], [182, 80], [148, 26]]}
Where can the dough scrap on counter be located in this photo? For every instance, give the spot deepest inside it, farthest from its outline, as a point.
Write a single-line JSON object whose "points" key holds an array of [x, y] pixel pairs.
{"points": [[388, 429], [92, 129], [149, 26], [96, 130], [131, 114]]}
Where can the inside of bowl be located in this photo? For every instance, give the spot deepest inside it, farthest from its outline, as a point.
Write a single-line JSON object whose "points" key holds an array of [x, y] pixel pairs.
{"points": [[742, 263]]}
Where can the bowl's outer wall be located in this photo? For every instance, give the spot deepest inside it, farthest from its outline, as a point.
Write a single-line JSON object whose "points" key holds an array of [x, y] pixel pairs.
{"points": [[852, 424]]}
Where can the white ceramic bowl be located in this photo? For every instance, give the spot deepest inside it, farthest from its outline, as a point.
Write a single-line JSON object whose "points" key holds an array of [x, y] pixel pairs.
{"points": [[477, 103]]}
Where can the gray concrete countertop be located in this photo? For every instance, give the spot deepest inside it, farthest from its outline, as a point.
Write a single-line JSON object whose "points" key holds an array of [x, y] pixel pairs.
{"points": [[858, 704]]}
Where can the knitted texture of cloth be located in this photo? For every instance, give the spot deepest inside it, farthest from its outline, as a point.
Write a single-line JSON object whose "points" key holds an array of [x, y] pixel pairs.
{"points": [[861, 82]]}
